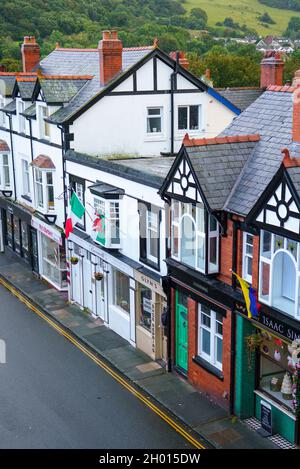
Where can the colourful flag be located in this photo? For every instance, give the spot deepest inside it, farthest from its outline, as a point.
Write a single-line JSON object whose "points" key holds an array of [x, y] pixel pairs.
{"points": [[76, 212], [99, 229], [250, 296]]}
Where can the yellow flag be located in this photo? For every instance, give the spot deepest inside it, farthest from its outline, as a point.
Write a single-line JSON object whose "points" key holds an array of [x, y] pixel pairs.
{"points": [[245, 289]]}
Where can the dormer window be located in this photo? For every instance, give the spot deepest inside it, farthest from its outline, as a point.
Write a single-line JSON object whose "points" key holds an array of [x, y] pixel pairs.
{"points": [[44, 126], [194, 233], [279, 273], [21, 119]]}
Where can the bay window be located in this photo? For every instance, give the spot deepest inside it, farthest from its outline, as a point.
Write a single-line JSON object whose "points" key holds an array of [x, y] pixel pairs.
{"points": [[107, 229], [279, 273], [44, 189], [210, 336], [194, 236]]}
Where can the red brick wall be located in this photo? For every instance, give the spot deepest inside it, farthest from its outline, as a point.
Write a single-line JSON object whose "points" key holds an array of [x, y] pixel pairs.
{"points": [[198, 376], [226, 255]]}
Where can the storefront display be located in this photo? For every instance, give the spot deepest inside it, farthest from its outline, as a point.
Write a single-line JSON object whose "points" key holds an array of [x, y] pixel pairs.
{"points": [[145, 306], [53, 262]]}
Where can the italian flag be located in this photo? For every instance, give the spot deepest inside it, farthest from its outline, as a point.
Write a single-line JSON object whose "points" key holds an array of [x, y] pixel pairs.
{"points": [[76, 212]]}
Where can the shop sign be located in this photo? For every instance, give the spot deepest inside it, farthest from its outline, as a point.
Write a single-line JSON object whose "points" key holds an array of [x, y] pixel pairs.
{"points": [[265, 419], [272, 323], [149, 282], [46, 230]]}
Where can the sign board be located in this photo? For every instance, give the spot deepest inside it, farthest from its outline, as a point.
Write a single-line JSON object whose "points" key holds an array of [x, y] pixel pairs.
{"points": [[265, 419], [47, 230]]}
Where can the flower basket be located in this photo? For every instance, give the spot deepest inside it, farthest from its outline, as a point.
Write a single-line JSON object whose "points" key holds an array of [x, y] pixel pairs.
{"points": [[98, 276], [74, 260]]}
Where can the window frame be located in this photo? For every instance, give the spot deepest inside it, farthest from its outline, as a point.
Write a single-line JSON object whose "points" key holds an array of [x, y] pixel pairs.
{"points": [[44, 127], [144, 210], [214, 335], [203, 235], [114, 290], [20, 105], [6, 185], [246, 257], [268, 260], [2, 114], [154, 116], [188, 107], [43, 187], [74, 184], [26, 177], [108, 210]]}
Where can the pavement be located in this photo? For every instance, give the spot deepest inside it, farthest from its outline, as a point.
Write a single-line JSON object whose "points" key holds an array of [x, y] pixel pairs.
{"points": [[194, 409]]}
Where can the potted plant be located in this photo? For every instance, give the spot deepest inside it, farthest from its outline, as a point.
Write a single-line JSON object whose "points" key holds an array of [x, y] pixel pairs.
{"points": [[98, 276], [74, 260], [253, 342]]}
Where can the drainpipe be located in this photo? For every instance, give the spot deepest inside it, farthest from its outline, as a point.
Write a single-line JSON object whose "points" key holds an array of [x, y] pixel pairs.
{"points": [[31, 151], [64, 148], [12, 154], [233, 321], [173, 88]]}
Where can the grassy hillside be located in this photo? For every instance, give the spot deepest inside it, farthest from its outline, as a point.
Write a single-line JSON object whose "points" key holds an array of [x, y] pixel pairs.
{"points": [[244, 11]]}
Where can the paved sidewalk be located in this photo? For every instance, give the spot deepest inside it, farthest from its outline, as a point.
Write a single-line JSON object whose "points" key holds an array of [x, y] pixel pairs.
{"points": [[193, 408]]}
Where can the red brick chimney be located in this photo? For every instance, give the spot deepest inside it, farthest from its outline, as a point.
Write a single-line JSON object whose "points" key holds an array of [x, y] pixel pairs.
{"points": [[296, 115], [183, 61], [271, 67], [110, 56], [30, 54]]}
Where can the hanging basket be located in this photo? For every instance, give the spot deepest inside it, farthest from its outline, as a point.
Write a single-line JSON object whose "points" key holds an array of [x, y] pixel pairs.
{"points": [[98, 276], [74, 260]]}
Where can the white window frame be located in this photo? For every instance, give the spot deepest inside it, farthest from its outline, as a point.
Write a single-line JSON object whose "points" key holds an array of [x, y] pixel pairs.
{"points": [[188, 129], [26, 177], [201, 231], [45, 205], [214, 335], [110, 208], [152, 230], [6, 184], [269, 261], [21, 119], [44, 127], [247, 257], [159, 114], [2, 114], [114, 291]]}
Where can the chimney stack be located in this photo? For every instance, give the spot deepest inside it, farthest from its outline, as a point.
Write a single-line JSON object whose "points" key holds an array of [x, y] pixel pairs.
{"points": [[30, 54], [183, 61], [272, 67], [110, 56]]}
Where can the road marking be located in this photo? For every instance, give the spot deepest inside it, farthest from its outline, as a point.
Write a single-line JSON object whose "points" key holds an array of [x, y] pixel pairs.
{"points": [[117, 377]]}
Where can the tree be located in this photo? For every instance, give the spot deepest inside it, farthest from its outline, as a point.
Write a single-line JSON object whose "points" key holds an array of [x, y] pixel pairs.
{"points": [[199, 14]]}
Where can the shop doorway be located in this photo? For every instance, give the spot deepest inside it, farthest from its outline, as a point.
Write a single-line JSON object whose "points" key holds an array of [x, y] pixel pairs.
{"points": [[181, 331], [100, 303], [87, 283], [34, 251]]}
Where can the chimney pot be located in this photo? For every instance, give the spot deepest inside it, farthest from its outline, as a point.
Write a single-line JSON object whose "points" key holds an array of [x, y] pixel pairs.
{"points": [[30, 54], [183, 61], [114, 35], [106, 35]]}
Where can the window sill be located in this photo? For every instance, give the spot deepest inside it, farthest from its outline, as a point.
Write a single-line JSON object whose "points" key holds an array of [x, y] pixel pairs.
{"points": [[209, 367], [148, 263], [155, 138], [26, 197]]}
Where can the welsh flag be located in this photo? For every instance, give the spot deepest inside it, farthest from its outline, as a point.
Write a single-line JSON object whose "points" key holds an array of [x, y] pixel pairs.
{"points": [[99, 229], [76, 212]]}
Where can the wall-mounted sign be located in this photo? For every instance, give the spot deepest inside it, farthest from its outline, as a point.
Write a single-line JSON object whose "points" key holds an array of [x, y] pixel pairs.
{"points": [[47, 230], [268, 321]]}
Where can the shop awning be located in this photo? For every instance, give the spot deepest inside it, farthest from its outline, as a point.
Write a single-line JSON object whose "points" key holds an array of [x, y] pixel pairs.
{"points": [[107, 191]]}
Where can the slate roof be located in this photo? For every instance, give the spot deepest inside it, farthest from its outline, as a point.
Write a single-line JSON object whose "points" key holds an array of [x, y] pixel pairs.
{"points": [[30, 111], [60, 90], [294, 174], [241, 97], [7, 83], [26, 89], [149, 171], [10, 107], [83, 62], [270, 116], [217, 168]]}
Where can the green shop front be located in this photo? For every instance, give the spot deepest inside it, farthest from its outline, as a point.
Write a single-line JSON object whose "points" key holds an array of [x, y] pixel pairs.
{"points": [[267, 370]]}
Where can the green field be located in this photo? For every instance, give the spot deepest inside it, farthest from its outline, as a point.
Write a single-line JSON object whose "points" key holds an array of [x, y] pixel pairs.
{"points": [[244, 12]]}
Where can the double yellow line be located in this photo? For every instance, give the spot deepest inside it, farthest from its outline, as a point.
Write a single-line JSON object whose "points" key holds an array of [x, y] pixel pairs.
{"points": [[178, 428]]}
